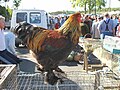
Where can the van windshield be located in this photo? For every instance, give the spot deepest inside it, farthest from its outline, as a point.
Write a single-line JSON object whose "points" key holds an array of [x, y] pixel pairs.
{"points": [[22, 16], [35, 17]]}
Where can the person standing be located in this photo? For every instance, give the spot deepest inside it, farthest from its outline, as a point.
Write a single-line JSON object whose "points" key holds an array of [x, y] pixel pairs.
{"points": [[84, 29], [118, 30], [51, 21], [62, 20], [57, 24], [107, 26], [116, 22], [95, 32], [5, 56], [88, 22]]}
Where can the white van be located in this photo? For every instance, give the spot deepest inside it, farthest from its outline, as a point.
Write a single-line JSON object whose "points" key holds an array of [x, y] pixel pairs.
{"points": [[32, 16]]}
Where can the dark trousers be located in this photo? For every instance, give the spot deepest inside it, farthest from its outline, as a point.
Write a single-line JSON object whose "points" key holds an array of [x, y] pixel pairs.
{"points": [[8, 58], [107, 33]]}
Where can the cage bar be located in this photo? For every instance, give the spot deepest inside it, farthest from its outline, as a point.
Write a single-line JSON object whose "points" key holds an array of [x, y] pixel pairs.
{"points": [[8, 77], [12, 79]]}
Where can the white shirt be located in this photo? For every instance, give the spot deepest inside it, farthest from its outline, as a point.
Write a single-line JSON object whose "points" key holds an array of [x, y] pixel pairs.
{"points": [[2, 40], [10, 41]]}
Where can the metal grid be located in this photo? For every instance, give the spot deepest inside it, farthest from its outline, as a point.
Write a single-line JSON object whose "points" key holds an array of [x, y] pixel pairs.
{"points": [[109, 81], [8, 77], [74, 81]]}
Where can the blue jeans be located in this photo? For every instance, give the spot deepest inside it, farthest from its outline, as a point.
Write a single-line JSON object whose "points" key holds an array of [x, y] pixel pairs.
{"points": [[8, 58]]}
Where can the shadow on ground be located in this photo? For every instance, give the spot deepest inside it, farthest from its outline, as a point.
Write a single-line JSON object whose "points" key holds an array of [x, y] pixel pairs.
{"points": [[22, 50], [69, 63], [24, 53]]}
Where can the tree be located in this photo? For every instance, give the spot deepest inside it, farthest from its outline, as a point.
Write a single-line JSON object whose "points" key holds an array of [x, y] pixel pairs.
{"points": [[79, 3], [16, 3], [88, 4], [4, 12]]}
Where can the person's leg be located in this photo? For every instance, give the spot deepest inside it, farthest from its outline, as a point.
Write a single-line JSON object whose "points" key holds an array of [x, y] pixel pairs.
{"points": [[4, 60], [15, 58], [7, 58]]}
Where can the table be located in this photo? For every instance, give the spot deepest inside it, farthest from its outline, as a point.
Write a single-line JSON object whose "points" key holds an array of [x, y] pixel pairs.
{"points": [[106, 57]]}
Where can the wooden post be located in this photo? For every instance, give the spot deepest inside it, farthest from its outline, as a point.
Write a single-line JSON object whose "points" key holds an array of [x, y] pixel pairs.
{"points": [[85, 62]]}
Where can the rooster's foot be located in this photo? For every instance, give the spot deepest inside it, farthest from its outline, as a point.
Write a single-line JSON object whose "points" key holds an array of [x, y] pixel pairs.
{"points": [[60, 81], [40, 69]]}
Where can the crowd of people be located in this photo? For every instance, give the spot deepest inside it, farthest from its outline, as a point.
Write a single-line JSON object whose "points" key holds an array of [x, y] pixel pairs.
{"points": [[99, 26], [96, 26], [106, 25], [56, 22]]}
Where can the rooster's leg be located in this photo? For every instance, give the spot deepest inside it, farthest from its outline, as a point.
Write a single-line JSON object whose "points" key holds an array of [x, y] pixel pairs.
{"points": [[59, 70], [51, 78], [40, 69]]}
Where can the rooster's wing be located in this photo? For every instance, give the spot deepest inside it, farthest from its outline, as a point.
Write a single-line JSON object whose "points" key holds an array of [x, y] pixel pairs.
{"points": [[54, 41]]}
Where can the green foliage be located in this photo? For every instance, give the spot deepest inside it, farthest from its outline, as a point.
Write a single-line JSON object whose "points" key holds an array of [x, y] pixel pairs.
{"points": [[6, 0], [4, 12], [17, 3], [98, 11], [91, 4], [61, 12], [9, 11]]}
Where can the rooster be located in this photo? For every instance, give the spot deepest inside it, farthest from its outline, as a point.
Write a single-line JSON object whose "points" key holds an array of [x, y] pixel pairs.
{"points": [[51, 47]]}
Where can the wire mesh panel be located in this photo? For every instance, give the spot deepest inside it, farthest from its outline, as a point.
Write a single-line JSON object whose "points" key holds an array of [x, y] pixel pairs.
{"points": [[8, 77], [85, 80], [11, 79], [109, 82], [73, 81]]}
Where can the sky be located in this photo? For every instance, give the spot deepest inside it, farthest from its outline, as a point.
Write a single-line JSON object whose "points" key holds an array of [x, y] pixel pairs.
{"points": [[55, 5]]}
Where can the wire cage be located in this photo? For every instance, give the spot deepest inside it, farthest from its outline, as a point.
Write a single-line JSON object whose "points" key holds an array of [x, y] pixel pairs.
{"points": [[107, 81], [8, 77], [73, 81], [12, 79]]}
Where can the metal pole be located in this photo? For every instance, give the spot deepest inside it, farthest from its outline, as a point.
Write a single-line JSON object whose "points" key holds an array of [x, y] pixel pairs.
{"points": [[97, 80]]}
